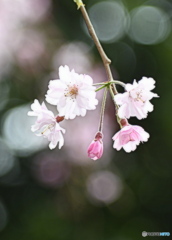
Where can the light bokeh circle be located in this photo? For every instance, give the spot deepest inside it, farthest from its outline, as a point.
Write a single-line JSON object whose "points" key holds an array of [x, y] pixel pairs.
{"points": [[17, 131], [149, 25], [110, 20], [104, 186]]}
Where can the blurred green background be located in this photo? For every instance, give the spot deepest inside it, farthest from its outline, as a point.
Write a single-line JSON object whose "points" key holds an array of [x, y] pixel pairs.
{"points": [[61, 194]]}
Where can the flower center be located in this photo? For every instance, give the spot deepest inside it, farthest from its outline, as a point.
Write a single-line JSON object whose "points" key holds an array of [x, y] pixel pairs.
{"points": [[47, 127], [71, 91], [137, 96], [132, 139]]}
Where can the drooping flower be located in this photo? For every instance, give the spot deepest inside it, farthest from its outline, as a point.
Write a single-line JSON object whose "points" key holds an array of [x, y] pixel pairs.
{"points": [[135, 102], [47, 124], [129, 137], [95, 150], [73, 93]]}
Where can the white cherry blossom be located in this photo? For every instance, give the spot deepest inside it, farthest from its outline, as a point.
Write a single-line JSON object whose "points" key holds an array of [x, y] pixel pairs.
{"points": [[73, 93], [46, 125], [135, 102]]}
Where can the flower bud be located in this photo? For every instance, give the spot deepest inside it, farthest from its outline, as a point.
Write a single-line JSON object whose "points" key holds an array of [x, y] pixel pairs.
{"points": [[95, 150], [59, 119], [124, 122], [79, 3]]}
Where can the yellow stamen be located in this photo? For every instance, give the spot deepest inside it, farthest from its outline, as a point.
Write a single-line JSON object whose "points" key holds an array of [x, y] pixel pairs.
{"points": [[45, 129], [71, 91]]}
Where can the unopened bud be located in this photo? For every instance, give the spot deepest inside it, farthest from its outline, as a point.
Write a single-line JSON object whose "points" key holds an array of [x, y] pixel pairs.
{"points": [[123, 122], [95, 150], [59, 119]]}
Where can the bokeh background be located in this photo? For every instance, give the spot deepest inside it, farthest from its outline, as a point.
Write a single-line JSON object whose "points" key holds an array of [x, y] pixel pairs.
{"points": [[61, 194]]}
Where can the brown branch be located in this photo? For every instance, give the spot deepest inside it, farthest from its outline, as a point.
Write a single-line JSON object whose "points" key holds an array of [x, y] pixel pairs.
{"points": [[105, 59]]}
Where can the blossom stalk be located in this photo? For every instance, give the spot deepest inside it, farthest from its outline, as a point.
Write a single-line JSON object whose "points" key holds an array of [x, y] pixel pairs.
{"points": [[102, 110], [110, 82]]}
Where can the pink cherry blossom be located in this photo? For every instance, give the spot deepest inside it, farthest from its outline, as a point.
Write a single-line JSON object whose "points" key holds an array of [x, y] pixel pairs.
{"points": [[95, 150], [46, 125], [135, 102], [72, 93], [129, 137]]}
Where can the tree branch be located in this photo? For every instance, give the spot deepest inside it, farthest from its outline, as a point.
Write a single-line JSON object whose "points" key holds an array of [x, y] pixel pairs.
{"points": [[105, 59]]}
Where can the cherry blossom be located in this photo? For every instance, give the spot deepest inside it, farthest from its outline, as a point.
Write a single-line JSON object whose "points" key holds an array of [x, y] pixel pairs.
{"points": [[129, 137], [72, 93], [135, 102], [47, 124], [95, 150]]}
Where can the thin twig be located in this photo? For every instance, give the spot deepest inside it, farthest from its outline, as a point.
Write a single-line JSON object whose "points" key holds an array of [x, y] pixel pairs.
{"points": [[105, 59]]}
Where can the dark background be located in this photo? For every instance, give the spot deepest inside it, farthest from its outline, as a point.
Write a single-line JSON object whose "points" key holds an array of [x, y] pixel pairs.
{"points": [[62, 194]]}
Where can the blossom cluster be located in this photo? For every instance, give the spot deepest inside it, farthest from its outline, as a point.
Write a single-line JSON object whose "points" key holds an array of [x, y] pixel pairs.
{"points": [[73, 94], [134, 102]]}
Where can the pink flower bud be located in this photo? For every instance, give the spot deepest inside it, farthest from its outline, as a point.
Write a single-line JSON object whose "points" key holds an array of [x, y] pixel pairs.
{"points": [[124, 122], [95, 150]]}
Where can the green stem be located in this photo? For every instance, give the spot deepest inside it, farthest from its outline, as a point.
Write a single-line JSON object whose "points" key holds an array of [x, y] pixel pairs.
{"points": [[119, 83], [97, 84], [98, 89], [109, 82]]}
